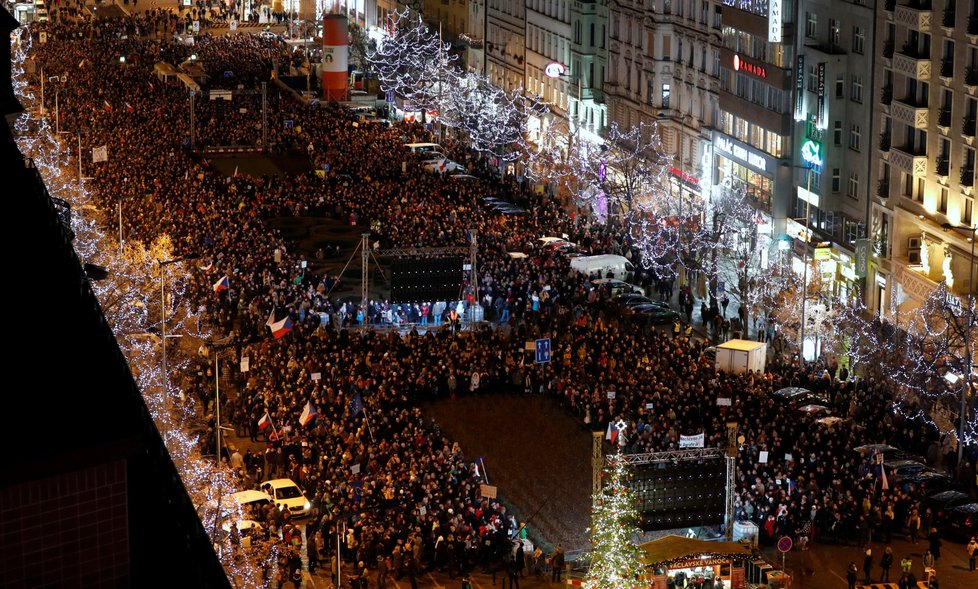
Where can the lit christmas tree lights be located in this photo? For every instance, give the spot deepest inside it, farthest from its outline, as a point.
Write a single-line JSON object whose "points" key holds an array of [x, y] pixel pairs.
{"points": [[616, 558]]}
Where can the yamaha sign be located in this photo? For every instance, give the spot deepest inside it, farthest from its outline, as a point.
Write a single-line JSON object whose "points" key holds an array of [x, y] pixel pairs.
{"points": [[554, 69]]}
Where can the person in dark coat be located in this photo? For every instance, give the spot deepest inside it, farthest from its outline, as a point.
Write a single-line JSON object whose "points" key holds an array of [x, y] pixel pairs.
{"points": [[935, 543]]}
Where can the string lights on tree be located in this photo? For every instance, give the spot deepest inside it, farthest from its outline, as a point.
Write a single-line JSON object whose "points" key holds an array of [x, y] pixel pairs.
{"points": [[131, 301], [616, 559]]}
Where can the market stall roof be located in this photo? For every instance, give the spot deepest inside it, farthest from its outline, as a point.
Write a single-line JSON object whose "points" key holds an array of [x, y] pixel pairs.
{"points": [[670, 549]]}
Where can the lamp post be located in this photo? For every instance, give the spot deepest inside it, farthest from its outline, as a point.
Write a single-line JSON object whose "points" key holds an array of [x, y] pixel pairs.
{"points": [[166, 376], [969, 382]]}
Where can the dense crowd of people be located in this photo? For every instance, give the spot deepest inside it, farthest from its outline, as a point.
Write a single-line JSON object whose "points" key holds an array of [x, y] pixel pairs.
{"points": [[406, 495]]}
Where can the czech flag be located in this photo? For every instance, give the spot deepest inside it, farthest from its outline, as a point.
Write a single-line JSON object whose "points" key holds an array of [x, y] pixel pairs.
{"points": [[265, 421], [129, 108], [106, 105], [308, 414], [280, 328], [208, 266], [222, 284], [612, 434]]}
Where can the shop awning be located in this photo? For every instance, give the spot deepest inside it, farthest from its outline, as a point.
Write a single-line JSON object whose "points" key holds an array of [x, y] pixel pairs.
{"points": [[672, 551]]}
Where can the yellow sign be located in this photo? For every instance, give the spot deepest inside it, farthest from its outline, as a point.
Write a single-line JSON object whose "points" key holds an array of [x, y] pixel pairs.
{"points": [[823, 253]]}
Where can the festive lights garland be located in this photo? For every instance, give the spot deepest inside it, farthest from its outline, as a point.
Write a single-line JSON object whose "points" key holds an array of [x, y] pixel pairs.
{"points": [[616, 559], [130, 299]]}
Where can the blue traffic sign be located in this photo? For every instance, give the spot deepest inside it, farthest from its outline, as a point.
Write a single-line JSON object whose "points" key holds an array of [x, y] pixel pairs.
{"points": [[542, 350]]}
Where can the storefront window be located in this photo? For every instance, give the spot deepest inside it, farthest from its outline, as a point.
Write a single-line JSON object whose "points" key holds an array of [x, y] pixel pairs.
{"points": [[757, 187]]}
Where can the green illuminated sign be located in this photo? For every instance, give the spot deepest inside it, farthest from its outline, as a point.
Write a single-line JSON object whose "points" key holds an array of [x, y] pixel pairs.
{"points": [[811, 152]]}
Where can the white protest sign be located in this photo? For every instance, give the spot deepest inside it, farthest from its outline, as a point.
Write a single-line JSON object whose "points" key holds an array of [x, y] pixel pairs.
{"points": [[762, 458], [245, 363]]}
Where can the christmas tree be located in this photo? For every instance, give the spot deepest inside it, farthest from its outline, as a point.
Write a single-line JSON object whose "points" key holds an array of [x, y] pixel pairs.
{"points": [[616, 559]]}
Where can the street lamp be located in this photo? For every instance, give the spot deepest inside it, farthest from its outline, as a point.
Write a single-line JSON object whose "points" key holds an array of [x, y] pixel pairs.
{"points": [[166, 377], [969, 381]]}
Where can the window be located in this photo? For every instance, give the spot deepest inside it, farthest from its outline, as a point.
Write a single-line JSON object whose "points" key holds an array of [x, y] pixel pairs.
{"points": [[942, 205], [836, 180], [854, 137], [837, 134], [858, 40], [853, 190], [833, 32], [667, 47], [716, 63], [813, 77], [840, 85], [666, 91], [811, 25], [856, 88], [650, 88], [967, 211]]}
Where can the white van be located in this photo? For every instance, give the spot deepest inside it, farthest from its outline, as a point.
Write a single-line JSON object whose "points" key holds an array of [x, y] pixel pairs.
{"points": [[604, 266], [422, 147]]}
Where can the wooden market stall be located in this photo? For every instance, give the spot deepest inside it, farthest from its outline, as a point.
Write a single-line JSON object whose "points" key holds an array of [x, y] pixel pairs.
{"points": [[675, 558]]}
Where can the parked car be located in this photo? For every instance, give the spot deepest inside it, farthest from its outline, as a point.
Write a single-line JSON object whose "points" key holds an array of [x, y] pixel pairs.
{"points": [[943, 501], [889, 452], [655, 313], [442, 165], [618, 286], [961, 522], [288, 495], [897, 470], [929, 482], [633, 302]]}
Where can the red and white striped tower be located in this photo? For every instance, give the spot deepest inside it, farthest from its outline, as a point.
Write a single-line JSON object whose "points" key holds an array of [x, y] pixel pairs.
{"points": [[335, 51]]}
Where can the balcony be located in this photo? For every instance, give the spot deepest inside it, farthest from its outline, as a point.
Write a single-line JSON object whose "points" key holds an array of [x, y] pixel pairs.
{"points": [[911, 63], [911, 114], [885, 141], [943, 166], [944, 118], [949, 15], [947, 68], [888, 49], [883, 189], [971, 76], [914, 17], [889, 5], [908, 160], [968, 177], [886, 96], [968, 127]]}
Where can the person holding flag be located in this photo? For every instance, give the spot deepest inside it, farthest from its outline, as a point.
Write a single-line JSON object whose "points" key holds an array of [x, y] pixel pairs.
{"points": [[222, 284], [309, 413]]}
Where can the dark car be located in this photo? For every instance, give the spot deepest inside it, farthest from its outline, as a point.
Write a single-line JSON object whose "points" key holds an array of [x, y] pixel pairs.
{"points": [[656, 314], [898, 470], [643, 301], [929, 482], [941, 502], [961, 522], [809, 398]]}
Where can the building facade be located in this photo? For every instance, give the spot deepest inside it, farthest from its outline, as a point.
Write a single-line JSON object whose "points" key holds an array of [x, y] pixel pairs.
{"points": [[506, 44], [922, 216], [663, 60], [831, 148], [566, 61]]}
